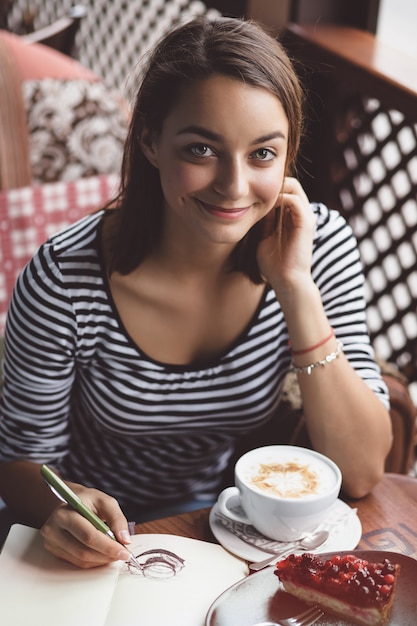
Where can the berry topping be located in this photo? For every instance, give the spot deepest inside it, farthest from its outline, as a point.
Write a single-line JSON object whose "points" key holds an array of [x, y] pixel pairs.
{"points": [[348, 577]]}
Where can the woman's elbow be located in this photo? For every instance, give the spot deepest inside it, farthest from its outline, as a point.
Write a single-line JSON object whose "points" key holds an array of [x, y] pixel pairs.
{"points": [[358, 485]]}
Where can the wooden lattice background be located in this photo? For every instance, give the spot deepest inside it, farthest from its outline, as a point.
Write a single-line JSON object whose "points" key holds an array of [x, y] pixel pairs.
{"points": [[375, 174]]}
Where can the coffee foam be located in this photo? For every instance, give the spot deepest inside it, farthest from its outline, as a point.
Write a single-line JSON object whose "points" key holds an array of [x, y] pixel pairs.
{"points": [[297, 477]]}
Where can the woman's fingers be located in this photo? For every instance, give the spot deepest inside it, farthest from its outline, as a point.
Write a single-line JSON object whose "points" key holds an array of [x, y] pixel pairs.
{"points": [[108, 509], [293, 186], [285, 257], [73, 552], [294, 196], [71, 537]]}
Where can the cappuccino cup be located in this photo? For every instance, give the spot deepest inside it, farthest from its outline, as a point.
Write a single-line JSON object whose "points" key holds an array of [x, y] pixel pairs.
{"points": [[283, 491]]}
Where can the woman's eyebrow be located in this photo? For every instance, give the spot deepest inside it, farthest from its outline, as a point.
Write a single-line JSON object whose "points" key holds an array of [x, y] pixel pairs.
{"points": [[209, 134], [200, 130], [278, 134]]}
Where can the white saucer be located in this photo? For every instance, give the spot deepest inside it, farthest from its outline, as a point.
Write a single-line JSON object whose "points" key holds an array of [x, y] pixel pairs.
{"points": [[344, 535]]}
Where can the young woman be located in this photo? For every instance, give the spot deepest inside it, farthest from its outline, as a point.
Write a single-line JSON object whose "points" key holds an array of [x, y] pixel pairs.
{"points": [[143, 340]]}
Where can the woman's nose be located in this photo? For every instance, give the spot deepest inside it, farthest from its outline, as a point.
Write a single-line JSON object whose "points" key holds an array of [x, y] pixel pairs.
{"points": [[232, 180]]}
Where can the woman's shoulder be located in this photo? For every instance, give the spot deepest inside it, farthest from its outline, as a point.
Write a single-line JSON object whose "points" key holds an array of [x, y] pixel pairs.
{"points": [[328, 217], [331, 225], [64, 273], [74, 246], [76, 236]]}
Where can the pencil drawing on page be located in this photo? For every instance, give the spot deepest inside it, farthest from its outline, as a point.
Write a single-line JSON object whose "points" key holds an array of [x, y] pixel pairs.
{"points": [[157, 563]]}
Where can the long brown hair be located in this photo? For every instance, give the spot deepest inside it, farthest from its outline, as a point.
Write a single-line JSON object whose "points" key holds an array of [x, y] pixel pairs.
{"points": [[195, 51]]}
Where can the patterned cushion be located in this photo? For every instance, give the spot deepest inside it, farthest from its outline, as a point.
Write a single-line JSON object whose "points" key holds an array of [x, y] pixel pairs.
{"points": [[76, 129], [29, 215], [71, 124]]}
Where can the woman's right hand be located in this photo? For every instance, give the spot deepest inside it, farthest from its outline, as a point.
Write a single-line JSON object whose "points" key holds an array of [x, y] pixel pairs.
{"points": [[69, 536], [286, 263]]}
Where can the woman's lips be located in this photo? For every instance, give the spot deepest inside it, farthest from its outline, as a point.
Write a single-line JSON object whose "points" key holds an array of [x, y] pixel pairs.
{"points": [[228, 214]]}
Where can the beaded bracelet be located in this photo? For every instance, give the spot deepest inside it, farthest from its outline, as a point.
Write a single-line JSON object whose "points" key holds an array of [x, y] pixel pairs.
{"points": [[311, 348], [307, 369]]}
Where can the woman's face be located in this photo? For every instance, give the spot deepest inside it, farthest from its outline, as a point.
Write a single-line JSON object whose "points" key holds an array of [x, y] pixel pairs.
{"points": [[221, 155]]}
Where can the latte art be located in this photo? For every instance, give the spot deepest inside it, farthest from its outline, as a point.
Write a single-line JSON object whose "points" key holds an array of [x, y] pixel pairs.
{"points": [[282, 491], [287, 480]]}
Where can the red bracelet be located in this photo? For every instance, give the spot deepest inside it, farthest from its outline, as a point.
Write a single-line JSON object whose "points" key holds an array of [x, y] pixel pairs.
{"points": [[316, 345]]}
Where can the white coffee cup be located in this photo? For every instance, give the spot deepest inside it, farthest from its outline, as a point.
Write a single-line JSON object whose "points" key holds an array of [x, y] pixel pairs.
{"points": [[283, 491]]}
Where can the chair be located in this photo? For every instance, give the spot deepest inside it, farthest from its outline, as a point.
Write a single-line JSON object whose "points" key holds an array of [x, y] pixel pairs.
{"points": [[58, 120], [60, 35], [114, 36], [28, 216]]}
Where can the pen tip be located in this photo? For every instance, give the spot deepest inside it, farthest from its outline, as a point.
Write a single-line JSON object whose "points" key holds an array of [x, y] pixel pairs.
{"points": [[134, 560]]}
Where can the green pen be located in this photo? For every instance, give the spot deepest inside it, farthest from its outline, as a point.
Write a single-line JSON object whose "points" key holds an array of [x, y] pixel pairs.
{"points": [[64, 493]]}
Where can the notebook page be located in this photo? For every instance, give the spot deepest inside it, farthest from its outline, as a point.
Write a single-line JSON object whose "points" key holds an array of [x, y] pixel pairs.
{"points": [[178, 594], [37, 589]]}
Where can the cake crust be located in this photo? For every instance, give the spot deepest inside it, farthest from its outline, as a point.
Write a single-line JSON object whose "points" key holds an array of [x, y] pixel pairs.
{"points": [[347, 586]]}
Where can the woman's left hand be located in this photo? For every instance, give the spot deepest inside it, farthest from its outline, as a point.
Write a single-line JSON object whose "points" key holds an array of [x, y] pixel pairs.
{"points": [[284, 263]]}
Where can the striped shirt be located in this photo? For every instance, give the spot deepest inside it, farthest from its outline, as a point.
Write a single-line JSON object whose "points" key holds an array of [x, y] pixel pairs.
{"points": [[80, 394]]}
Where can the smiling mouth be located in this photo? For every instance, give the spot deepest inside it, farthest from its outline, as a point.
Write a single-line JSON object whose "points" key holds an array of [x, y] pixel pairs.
{"points": [[230, 214]]}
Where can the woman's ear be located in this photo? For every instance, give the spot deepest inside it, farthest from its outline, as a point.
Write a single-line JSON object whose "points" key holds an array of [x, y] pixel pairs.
{"points": [[149, 146]]}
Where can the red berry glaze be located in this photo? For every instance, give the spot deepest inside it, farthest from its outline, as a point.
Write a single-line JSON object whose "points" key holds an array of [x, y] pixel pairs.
{"points": [[357, 580]]}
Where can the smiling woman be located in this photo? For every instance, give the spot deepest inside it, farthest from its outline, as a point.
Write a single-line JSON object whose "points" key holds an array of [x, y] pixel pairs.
{"points": [[220, 173], [143, 340]]}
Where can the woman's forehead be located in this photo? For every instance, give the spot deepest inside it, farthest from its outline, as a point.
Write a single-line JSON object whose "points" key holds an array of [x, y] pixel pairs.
{"points": [[222, 102]]}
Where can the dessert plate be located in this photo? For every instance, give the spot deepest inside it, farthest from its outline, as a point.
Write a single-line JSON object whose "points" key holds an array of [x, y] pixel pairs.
{"points": [[345, 534], [260, 597]]}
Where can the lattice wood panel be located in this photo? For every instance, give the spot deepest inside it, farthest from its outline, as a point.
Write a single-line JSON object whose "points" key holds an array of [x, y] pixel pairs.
{"points": [[375, 174]]}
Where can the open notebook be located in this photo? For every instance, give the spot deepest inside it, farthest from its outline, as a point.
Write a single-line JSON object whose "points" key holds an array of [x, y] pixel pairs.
{"points": [[180, 579]]}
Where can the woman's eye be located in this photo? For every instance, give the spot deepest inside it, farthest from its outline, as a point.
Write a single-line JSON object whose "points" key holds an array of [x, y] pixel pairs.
{"points": [[201, 150], [264, 154]]}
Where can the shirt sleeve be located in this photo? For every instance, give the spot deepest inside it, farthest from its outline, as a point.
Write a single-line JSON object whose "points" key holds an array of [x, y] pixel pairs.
{"points": [[39, 364], [337, 270]]}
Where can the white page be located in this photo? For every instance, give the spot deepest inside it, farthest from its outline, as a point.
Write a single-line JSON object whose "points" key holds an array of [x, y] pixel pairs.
{"points": [[183, 599], [36, 589]]}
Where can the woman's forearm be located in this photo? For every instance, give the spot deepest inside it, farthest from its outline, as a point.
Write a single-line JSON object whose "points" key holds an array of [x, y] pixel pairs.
{"points": [[344, 417], [347, 422]]}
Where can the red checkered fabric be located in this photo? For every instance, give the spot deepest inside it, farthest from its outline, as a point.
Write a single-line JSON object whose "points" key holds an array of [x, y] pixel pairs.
{"points": [[29, 215]]}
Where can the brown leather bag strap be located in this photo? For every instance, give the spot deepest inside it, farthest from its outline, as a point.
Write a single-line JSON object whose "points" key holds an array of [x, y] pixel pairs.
{"points": [[15, 169]]}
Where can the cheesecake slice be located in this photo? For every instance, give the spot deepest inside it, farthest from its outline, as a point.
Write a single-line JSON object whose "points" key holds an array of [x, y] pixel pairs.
{"points": [[347, 586]]}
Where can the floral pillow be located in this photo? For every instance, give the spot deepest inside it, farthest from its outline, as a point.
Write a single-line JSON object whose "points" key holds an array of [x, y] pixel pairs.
{"points": [[70, 125], [77, 128]]}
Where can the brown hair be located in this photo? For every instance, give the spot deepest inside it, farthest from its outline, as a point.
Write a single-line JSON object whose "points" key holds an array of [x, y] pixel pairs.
{"points": [[195, 51]]}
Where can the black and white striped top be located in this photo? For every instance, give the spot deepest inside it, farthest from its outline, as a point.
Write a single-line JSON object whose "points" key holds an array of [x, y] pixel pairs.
{"points": [[80, 395]]}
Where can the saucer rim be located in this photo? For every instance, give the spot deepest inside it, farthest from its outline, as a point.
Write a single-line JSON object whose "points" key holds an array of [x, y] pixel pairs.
{"points": [[239, 548]]}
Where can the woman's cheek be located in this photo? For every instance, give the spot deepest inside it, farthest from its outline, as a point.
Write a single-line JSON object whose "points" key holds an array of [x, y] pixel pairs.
{"points": [[188, 178], [270, 186]]}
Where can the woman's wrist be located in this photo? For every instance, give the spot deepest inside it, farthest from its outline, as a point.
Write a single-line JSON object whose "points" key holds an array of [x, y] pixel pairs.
{"points": [[292, 294], [312, 347], [326, 360], [311, 335]]}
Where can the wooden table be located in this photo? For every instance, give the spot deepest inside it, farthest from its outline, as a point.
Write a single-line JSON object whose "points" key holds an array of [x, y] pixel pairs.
{"points": [[388, 516]]}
